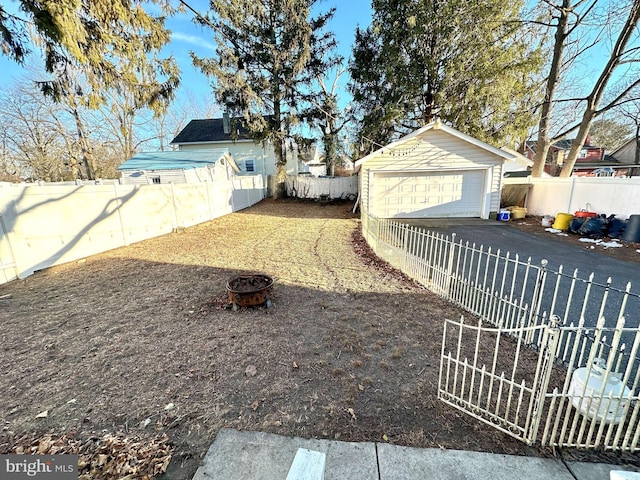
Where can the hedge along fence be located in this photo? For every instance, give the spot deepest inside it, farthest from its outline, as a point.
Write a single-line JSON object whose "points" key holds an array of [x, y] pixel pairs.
{"points": [[46, 225], [301, 186]]}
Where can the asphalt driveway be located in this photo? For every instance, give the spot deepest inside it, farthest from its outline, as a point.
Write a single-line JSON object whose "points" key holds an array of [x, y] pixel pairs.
{"points": [[498, 235]]}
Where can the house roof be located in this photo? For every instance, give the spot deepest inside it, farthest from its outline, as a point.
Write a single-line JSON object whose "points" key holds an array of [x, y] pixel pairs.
{"points": [[177, 160], [211, 130], [624, 145], [437, 125], [518, 157], [564, 144]]}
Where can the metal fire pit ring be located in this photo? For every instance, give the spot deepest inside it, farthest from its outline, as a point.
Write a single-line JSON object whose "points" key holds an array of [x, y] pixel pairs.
{"points": [[249, 290]]}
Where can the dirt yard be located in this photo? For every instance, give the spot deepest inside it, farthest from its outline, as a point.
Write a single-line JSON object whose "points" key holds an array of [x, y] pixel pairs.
{"points": [[136, 347]]}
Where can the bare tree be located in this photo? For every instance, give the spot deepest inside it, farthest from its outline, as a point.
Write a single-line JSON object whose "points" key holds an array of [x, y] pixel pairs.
{"points": [[34, 142], [566, 17], [328, 118], [620, 54], [186, 106]]}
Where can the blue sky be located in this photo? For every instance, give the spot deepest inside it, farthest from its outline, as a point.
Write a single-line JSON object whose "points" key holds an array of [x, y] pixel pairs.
{"points": [[186, 37]]}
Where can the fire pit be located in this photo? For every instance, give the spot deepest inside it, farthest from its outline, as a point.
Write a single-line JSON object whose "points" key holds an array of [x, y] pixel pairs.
{"points": [[249, 290]]}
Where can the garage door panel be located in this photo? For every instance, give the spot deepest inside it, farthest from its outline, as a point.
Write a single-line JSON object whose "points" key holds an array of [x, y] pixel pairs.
{"points": [[428, 194]]}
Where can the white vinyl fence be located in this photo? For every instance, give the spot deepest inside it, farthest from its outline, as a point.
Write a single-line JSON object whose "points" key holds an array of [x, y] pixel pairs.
{"points": [[302, 186], [608, 195], [541, 363], [46, 225]]}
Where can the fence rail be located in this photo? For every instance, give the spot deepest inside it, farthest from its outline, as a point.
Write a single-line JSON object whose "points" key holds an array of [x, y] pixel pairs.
{"points": [[580, 390]]}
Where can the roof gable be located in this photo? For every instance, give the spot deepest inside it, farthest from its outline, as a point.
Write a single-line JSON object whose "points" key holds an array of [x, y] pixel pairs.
{"points": [[438, 126], [518, 157], [177, 160], [626, 144], [212, 130]]}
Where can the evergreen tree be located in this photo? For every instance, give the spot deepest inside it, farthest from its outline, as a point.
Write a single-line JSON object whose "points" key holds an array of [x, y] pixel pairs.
{"points": [[468, 63], [269, 53], [114, 42], [91, 47]]}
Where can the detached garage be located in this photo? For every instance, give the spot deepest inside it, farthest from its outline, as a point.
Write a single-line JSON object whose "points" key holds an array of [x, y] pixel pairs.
{"points": [[433, 172]]}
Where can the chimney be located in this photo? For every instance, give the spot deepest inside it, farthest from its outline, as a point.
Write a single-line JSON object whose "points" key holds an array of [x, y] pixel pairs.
{"points": [[226, 125], [587, 141]]}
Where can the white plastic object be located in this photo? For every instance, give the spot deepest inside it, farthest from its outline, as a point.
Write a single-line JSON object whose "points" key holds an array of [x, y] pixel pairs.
{"points": [[586, 385]]}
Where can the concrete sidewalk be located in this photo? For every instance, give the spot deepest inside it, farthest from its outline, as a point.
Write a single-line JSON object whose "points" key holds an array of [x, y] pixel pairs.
{"points": [[237, 455]]}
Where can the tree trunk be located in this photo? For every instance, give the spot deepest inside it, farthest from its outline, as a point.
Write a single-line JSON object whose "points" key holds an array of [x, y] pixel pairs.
{"points": [[85, 147], [330, 142], [577, 143], [279, 190], [543, 143], [593, 100]]}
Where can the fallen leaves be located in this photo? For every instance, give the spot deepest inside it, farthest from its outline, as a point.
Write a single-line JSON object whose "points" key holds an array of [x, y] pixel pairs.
{"points": [[256, 403], [109, 456]]}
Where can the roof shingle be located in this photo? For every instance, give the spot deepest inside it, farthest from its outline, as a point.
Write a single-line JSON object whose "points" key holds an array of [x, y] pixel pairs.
{"points": [[211, 130]]}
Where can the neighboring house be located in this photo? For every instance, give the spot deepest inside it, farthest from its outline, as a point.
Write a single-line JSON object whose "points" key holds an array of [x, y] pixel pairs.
{"points": [[317, 169], [346, 167], [192, 166], [436, 171], [625, 156], [590, 157], [520, 166], [251, 156], [310, 162], [626, 153]]}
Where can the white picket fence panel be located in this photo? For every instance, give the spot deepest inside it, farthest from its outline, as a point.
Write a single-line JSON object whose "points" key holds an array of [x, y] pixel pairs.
{"points": [[560, 316]]}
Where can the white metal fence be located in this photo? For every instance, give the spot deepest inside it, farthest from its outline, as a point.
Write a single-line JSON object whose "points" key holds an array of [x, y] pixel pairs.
{"points": [[565, 377]]}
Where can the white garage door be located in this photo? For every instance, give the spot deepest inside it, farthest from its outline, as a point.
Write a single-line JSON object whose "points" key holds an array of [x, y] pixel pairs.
{"points": [[457, 193]]}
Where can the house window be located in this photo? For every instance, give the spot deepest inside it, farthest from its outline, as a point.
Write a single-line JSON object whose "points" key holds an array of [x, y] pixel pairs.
{"points": [[250, 165], [155, 179], [583, 153]]}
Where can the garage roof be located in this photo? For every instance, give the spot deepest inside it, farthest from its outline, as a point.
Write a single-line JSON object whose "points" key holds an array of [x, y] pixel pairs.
{"points": [[438, 125]]}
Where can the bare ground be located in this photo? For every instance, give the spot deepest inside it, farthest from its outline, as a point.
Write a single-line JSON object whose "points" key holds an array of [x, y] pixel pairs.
{"points": [[137, 343]]}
